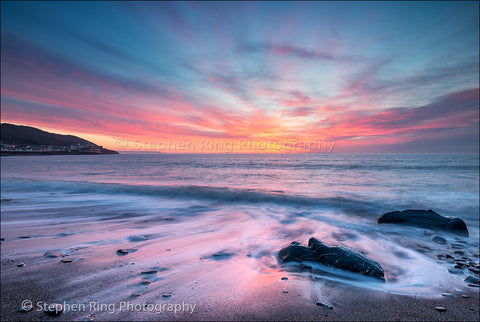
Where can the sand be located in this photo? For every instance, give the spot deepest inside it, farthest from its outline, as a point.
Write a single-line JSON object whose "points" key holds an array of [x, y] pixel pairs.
{"points": [[90, 279]]}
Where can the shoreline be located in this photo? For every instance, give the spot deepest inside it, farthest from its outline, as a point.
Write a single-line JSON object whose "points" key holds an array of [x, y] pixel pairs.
{"points": [[96, 279]]}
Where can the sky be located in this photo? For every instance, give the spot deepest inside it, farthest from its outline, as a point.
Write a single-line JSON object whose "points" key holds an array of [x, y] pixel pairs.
{"points": [[346, 77]]}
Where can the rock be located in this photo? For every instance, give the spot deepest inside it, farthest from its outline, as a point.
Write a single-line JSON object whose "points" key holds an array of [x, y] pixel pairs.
{"points": [[151, 271], [145, 282], [439, 240], [440, 256], [26, 307], [285, 292], [449, 256], [336, 256], [472, 279], [447, 294], [441, 309], [319, 303], [66, 260], [2, 239], [24, 237], [54, 309], [284, 278], [167, 295], [455, 271], [52, 254], [474, 269], [124, 251], [459, 252], [345, 258], [297, 253], [465, 296], [20, 264], [473, 285], [425, 219], [457, 246], [459, 266], [135, 295]]}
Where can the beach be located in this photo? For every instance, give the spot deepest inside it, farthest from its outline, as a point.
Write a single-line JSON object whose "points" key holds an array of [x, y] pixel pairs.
{"points": [[163, 237]]}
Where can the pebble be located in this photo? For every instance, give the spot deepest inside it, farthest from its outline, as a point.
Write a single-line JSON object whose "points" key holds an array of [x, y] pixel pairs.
{"points": [[167, 295], [24, 237], [152, 271], [447, 294], [168, 250], [66, 260], [472, 279], [474, 269], [54, 309], [459, 252], [318, 303], [465, 296], [441, 309], [449, 256], [458, 266], [473, 285], [284, 278], [439, 240], [122, 251], [21, 265], [135, 295], [2, 239], [285, 292], [52, 254], [145, 282], [455, 271], [25, 308]]}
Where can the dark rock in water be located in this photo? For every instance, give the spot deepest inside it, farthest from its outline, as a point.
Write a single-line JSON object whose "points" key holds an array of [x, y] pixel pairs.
{"points": [[151, 271], [145, 282], [457, 246], [297, 253], [2, 239], [449, 256], [465, 296], [439, 240], [441, 309], [473, 269], [20, 264], [52, 254], [473, 285], [167, 295], [459, 252], [447, 294], [24, 237], [124, 251], [54, 309], [425, 219], [336, 256], [328, 306], [134, 295], [472, 279], [137, 238], [440, 256], [284, 278], [66, 260], [455, 271]]}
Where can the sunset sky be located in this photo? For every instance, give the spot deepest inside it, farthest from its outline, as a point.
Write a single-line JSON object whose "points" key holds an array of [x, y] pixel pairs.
{"points": [[369, 76]]}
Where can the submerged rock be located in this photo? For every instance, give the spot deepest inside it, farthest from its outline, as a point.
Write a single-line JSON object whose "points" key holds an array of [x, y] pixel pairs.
{"points": [[472, 279], [336, 256], [425, 219], [54, 309], [52, 254], [441, 309], [439, 240]]}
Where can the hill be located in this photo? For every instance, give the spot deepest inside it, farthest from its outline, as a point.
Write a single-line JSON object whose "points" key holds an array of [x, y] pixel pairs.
{"points": [[26, 135]]}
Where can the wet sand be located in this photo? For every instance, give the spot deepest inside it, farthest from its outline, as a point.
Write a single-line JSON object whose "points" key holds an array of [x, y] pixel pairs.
{"points": [[260, 297]]}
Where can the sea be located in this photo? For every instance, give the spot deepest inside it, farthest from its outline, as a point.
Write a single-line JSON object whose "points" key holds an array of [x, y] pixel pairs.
{"points": [[239, 210]]}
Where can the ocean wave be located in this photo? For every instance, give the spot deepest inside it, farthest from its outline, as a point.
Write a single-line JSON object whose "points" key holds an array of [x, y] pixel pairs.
{"points": [[209, 193]]}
